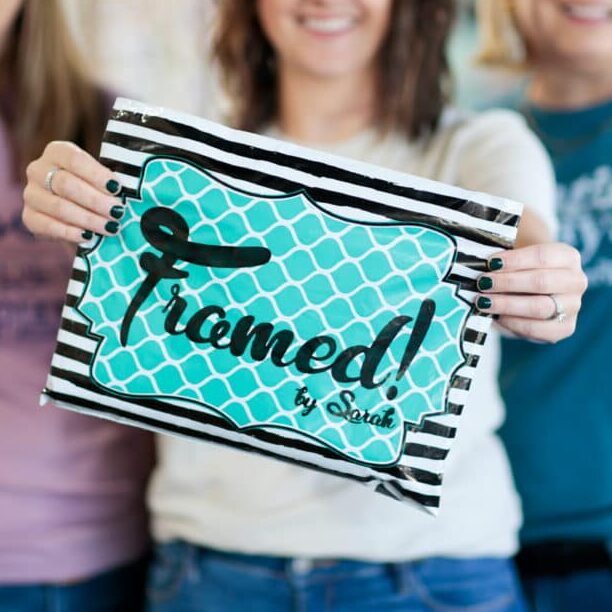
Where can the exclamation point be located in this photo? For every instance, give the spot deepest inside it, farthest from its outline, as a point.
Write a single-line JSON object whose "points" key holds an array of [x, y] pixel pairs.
{"points": [[419, 331]]}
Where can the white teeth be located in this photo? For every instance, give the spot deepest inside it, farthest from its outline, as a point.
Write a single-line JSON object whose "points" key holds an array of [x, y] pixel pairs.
{"points": [[330, 25], [589, 12]]}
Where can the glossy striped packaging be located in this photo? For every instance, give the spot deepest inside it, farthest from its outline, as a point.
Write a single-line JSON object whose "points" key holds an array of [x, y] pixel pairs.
{"points": [[282, 301]]}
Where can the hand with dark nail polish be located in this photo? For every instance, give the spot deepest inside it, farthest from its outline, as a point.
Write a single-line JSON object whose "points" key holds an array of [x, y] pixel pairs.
{"points": [[485, 283], [113, 187], [117, 212], [496, 264]]}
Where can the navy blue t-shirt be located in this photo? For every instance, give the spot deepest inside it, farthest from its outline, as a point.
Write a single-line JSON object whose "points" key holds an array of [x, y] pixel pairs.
{"points": [[559, 397]]}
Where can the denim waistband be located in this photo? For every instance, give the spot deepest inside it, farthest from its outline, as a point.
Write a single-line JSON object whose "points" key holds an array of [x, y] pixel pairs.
{"points": [[282, 564], [285, 564]]}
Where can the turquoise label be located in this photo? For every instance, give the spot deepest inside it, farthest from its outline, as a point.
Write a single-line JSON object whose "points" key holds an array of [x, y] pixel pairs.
{"points": [[274, 313]]}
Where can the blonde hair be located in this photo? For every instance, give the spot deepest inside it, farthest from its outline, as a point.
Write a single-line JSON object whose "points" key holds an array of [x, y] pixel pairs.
{"points": [[501, 44], [49, 93]]}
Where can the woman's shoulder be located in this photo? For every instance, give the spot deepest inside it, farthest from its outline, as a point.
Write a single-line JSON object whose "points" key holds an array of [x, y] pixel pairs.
{"points": [[468, 142], [493, 151], [465, 138], [495, 121]]}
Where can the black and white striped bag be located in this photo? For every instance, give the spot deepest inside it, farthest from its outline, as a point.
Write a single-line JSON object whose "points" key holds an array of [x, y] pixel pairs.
{"points": [[280, 300]]}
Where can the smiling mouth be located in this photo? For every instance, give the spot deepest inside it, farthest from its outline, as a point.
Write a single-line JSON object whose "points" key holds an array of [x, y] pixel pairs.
{"points": [[328, 25], [592, 13]]}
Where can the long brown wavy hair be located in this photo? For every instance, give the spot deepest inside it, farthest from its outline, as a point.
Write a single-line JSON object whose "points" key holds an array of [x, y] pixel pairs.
{"points": [[413, 76], [46, 92]]}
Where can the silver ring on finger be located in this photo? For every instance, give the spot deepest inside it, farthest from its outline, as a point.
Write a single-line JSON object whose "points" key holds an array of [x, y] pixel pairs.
{"points": [[49, 179], [559, 315]]}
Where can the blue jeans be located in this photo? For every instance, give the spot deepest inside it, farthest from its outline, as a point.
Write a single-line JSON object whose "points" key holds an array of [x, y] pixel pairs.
{"points": [[188, 578], [118, 590], [589, 590]]}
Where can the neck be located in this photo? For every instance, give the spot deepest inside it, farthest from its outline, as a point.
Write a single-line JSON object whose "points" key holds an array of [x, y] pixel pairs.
{"points": [[564, 89], [315, 110]]}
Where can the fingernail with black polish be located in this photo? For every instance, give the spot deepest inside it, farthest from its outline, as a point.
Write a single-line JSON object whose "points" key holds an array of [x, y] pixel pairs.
{"points": [[117, 212], [112, 227], [113, 187], [485, 283], [484, 303], [87, 235], [496, 264]]}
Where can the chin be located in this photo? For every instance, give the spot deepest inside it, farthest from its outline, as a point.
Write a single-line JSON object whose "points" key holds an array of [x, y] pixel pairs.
{"points": [[586, 63], [332, 68], [589, 54], [329, 74]]}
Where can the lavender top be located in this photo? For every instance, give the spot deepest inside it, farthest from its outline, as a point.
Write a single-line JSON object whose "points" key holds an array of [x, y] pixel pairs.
{"points": [[71, 486]]}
